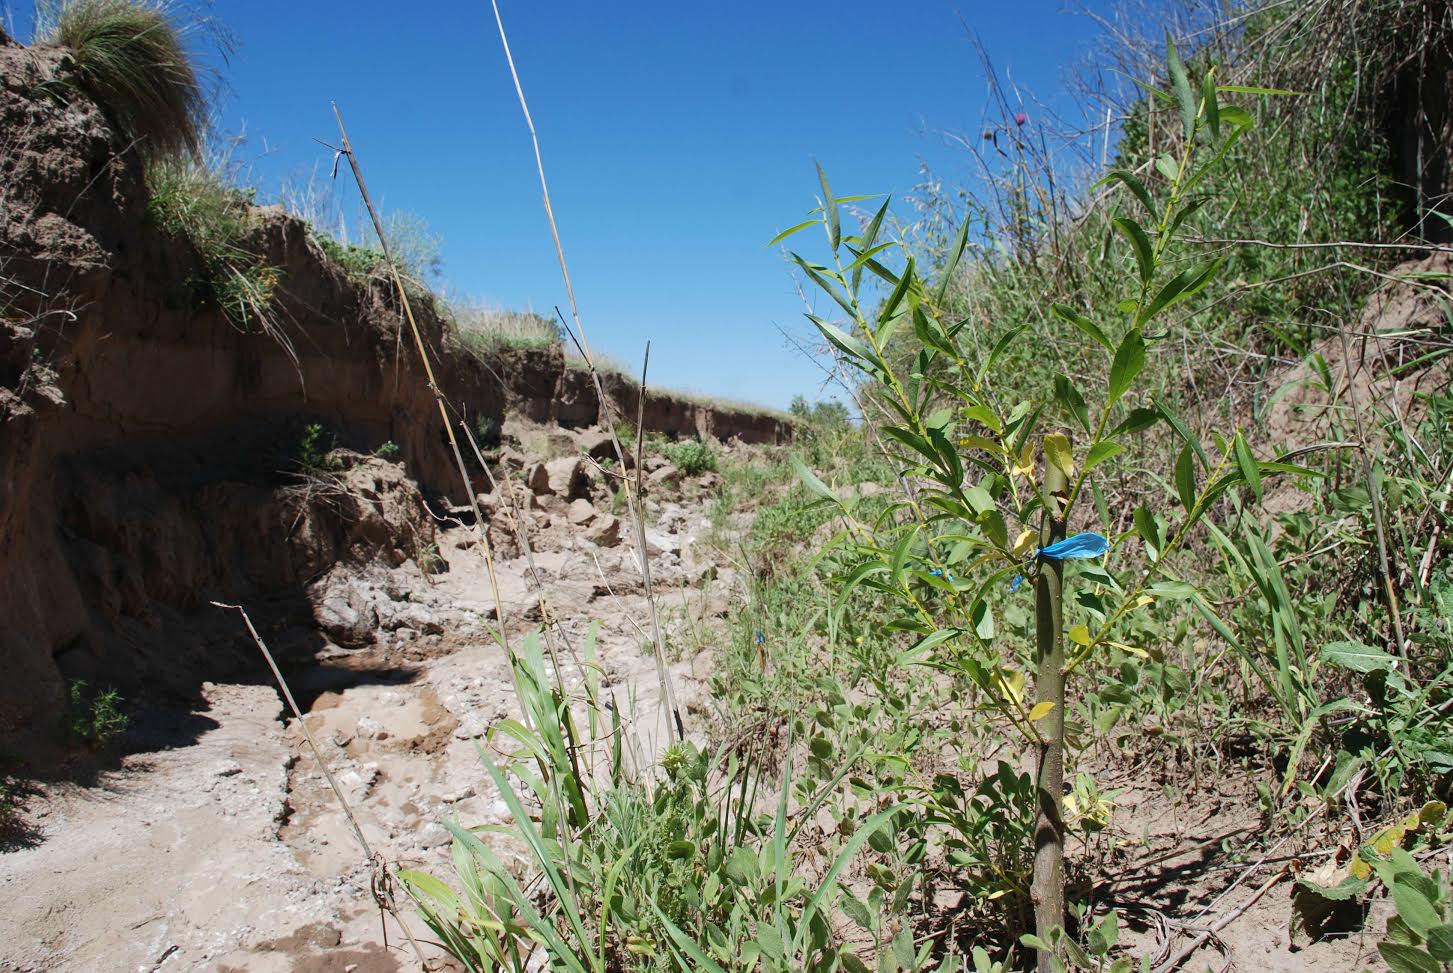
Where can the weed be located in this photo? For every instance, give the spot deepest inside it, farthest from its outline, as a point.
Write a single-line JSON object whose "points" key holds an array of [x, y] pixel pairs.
{"points": [[692, 456], [94, 718], [313, 449], [389, 450]]}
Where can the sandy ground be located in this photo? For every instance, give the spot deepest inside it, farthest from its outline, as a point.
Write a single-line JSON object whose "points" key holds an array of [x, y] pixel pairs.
{"points": [[231, 853]]}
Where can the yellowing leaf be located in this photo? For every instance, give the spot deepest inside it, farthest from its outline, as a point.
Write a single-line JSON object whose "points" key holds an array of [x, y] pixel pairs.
{"points": [[979, 442], [1040, 711], [1024, 465], [1013, 684], [1080, 634], [1133, 650], [1057, 453], [1024, 543]]}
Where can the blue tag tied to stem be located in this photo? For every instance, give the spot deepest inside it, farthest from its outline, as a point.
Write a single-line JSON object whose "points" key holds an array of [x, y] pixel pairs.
{"points": [[1086, 545]]}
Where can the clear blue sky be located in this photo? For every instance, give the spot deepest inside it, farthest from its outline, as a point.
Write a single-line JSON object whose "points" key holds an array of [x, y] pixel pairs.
{"points": [[678, 138]]}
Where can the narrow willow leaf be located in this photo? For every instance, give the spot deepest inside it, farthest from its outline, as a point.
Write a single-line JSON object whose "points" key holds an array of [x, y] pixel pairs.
{"points": [[1072, 400], [946, 275], [1001, 346], [1169, 416], [1247, 464], [1167, 166], [830, 210], [868, 240], [1209, 106], [1041, 710], [853, 347], [1250, 90], [1140, 243], [1066, 313], [1140, 418], [1180, 86], [1100, 452], [814, 485], [1149, 531], [1186, 477], [791, 230], [1129, 361], [1132, 182]]}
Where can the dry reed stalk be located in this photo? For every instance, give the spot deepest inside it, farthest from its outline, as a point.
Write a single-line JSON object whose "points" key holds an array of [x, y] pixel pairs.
{"points": [[634, 498]]}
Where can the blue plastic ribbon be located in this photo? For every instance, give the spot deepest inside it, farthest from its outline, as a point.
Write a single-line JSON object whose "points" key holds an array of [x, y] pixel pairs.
{"points": [[1088, 544]]}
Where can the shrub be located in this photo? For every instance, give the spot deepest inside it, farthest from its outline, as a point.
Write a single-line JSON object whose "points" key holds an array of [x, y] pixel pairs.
{"points": [[129, 55], [692, 457], [94, 719]]}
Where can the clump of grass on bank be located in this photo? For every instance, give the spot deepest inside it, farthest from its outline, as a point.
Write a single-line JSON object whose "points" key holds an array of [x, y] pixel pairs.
{"points": [[131, 56], [481, 328], [196, 202]]}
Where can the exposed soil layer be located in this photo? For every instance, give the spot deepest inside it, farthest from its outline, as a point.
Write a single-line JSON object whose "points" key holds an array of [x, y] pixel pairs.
{"points": [[149, 448]]}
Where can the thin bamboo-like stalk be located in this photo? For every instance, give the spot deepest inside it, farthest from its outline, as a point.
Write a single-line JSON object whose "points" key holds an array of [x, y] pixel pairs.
{"points": [[634, 498]]}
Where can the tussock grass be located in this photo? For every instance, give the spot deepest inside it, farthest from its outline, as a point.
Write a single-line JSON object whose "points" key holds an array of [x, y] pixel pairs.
{"points": [[480, 327], [131, 55]]}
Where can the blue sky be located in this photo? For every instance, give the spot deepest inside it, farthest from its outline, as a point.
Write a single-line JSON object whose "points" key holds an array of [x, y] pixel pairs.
{"points": [[678, 138]]}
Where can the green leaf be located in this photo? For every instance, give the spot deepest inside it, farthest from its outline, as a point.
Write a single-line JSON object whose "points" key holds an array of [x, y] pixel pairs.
{"points": [[1186, 477], [1183, 285], [809, 479], [1129, 361], [1209, 107], [1139, 418], [1247, 464], [1149, 531], [1140, 243], [1413, 906], [853, 347], [791, 230], [1066, 313], [1356, 657], [1132, 182], [1251, 90], [1100, 452], [829, 210], [1070, 397], [1440, 943], [1408, 959], [1180, 86]]}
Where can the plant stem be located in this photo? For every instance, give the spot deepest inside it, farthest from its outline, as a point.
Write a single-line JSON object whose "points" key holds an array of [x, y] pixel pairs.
{"points": [[1048, 888]]}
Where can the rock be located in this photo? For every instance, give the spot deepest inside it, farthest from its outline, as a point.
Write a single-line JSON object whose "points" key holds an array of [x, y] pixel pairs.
{"points": [[371, 729], [710, 480], [606, 532], [596, 443], [659, 542], [654, 463], [225, 768], [581, 512], [667, 475], [343, 608], [567, 478], [538, 479]]}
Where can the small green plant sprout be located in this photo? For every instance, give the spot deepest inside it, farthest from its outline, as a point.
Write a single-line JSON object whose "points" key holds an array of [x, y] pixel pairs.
{"points": [[992, 487], [387, 450], [313, 449], [94, 719]]}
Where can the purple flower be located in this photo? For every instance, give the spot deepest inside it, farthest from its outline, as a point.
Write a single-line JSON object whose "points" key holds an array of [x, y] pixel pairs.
{"points": [[1020, 118]]}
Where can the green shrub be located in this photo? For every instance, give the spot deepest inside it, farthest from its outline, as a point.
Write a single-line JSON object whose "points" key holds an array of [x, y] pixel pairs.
{"points": [[94, 719], [479, 328], [692, 456], [129, 55], [314, 447]]}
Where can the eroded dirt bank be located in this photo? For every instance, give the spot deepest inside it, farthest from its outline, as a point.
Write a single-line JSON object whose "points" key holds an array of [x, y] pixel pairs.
{"points": [[146, 444]]}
